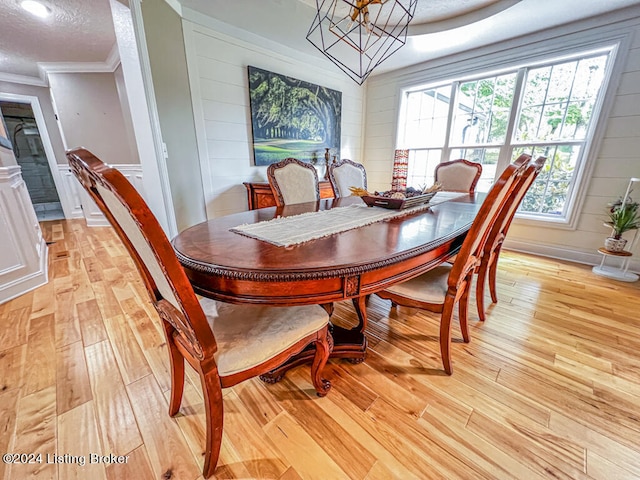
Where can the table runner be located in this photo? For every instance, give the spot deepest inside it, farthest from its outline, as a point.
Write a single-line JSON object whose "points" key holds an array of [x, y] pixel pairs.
{"points": [[288, 231]]}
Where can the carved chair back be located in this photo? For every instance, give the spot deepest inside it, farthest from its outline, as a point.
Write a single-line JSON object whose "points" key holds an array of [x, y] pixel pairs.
{"points": [[344, 174], [491, 251], [458, 175], [506, 217], [168, 286], [254, 339], [470, 254], [293, 181]]}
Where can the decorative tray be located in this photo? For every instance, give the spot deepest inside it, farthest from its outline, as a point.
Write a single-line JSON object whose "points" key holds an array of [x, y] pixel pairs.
{"points": [[397, 203]]}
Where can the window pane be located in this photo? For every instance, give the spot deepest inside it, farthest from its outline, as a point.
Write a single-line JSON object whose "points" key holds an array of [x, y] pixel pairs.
{"points": [[548, 194], [553, 119], [488, 157], [482, 110], [422, 164], [426, 117], [558, 100]]}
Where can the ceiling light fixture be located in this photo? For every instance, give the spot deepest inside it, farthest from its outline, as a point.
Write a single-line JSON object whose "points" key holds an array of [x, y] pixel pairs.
{"points": [[36, 8], [358, 35]]}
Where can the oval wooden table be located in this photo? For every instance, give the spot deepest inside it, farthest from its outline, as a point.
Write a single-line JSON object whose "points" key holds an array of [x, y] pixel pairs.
{"points": [[231, 267]]}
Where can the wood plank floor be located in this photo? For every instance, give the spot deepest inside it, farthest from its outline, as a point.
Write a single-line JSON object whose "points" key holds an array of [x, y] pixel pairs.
{"points": [[549, 386]]}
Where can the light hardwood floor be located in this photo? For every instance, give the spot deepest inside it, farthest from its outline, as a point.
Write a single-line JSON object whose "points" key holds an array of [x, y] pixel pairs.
{"points": [[549, 386]]}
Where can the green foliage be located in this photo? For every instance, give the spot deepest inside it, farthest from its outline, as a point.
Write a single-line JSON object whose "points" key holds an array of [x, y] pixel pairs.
{"points": [[548, 194], [624, 217], [274, 151]]}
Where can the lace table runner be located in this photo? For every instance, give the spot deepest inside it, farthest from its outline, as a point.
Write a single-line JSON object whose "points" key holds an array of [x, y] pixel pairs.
{"points": [[287, 231]]}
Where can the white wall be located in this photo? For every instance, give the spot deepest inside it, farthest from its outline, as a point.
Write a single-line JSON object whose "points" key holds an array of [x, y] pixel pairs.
{"points": [[134, 60], [615, 158], [165, 44], [90, 114], [121, 88], [217, 65]]}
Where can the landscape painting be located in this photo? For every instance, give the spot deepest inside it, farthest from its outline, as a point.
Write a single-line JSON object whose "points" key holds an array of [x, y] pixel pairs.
{"points": [[292, 118]]}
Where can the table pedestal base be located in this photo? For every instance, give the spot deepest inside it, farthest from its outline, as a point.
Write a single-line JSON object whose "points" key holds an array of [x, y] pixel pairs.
{"points": [[347, 343]]}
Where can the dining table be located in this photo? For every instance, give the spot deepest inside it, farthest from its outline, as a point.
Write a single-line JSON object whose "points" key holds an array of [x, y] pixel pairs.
{"points": [[224, 264]]}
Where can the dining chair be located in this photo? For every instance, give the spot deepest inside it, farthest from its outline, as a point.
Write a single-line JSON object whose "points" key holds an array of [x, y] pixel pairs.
{"points": [[293, 181], [226, 344], [344, 174], [493, 245], [440, 289], [458, 175]]}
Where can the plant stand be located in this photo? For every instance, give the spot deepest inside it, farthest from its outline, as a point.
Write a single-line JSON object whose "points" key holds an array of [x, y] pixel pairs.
{"points": [[617, 273]]}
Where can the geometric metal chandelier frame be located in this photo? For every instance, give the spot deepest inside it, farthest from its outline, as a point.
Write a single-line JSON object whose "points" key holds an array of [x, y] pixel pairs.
{"points": [[358, 35]]}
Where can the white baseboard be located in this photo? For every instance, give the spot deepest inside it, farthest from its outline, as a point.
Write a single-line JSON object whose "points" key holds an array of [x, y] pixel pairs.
{"points": [[563, 253]]}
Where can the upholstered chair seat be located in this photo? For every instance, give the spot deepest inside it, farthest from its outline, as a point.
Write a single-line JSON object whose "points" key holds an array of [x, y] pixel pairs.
{"points": [[430, 287], [249, 335]]}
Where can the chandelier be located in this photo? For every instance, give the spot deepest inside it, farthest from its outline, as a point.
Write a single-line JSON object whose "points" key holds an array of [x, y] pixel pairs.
{"points": [[358, 35]]}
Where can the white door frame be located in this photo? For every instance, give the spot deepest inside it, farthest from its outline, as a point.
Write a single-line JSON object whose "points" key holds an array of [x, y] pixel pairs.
{"points": [[34, 102], [134, 58]]}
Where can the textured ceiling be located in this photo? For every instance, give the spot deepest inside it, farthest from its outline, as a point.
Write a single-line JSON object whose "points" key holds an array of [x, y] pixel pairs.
{"points": [[439, 28], [432, 11], [76, 31], [82, 30]]}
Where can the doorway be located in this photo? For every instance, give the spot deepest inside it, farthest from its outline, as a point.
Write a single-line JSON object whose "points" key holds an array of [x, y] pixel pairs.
{"points": [[30, 154]]}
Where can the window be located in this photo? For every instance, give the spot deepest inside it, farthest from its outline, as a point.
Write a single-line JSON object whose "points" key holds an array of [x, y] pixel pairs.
{"points": [[543, 110]]}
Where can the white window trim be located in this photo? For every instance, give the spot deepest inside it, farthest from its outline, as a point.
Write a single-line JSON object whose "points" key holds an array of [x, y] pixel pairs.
{"points": [[616, 38]]}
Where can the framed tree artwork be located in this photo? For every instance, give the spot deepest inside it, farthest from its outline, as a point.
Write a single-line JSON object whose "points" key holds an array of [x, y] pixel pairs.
{"points": [[292, 118]]}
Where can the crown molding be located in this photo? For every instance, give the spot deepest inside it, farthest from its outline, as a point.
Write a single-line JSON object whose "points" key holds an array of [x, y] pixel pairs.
{"points": [[75, 67], [113, 59], [23, 79], [176, 5], [108, 66]]}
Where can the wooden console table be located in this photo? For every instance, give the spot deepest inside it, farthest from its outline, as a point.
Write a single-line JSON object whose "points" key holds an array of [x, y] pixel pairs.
{"points": [[259, 194]]}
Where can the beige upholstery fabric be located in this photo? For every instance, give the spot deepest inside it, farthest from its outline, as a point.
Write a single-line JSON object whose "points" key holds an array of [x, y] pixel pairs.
{"points": [[133, 232], [297, 184], [430, 287], [248, 335], [348, 176], [457, 177]]}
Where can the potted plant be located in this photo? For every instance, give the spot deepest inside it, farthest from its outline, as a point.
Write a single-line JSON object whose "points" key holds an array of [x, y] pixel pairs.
{"points": [[623, 216]]}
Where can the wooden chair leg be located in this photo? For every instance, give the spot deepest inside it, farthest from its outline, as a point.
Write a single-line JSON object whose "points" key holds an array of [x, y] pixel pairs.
{"points": [[481, 280], [463, 311], [445, 333], [176, 361], [493, 269], [212, 392], [324, 346]]}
